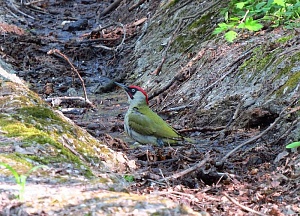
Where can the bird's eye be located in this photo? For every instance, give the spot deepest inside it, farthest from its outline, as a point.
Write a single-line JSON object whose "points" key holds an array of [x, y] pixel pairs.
{"points": [[133, 90]]}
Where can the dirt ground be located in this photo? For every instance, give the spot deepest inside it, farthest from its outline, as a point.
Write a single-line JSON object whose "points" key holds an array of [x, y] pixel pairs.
{"points": [[260, 177]]}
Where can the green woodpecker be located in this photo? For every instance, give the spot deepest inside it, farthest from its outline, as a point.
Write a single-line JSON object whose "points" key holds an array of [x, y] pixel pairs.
{"points": [[144, 125]]}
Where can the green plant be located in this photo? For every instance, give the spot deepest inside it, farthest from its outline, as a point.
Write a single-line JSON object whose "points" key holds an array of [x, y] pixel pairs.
{"points": [[252, 15], [293, 145], [129, 178], [20, 178]]}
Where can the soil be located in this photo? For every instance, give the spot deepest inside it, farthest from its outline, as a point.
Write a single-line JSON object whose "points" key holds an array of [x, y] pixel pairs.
{"points": [[258, 177]]}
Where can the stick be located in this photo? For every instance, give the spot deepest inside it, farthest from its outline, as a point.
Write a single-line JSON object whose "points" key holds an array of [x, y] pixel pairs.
{"points": [[51, 100], [187, 171], [56, 51], [242, 206], [201, 129], [17, 10], [111, 7], [136, 5]]}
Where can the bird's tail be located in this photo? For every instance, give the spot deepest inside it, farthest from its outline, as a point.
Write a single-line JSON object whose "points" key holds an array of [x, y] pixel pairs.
{"points": [[189, 140]]}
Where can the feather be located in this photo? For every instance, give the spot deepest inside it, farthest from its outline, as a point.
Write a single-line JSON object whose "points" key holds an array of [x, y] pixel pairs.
{"points": [[146, 122]]}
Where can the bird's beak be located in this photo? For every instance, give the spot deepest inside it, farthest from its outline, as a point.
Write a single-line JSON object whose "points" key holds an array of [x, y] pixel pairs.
{"points": [[122, 86]]}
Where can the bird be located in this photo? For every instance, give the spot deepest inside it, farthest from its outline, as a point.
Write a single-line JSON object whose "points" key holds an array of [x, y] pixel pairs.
{"points": [[144, 125]]}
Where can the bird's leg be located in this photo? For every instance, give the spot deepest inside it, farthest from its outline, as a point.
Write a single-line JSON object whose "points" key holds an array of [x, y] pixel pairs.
{"points": [[147, 155], [160, 143]]}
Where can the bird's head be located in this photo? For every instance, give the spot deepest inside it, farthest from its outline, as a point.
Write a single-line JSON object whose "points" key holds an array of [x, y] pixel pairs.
{"points": [[136, 95]]}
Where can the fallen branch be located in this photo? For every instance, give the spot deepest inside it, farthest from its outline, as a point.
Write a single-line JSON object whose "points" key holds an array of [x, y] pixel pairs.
{"points": [[187, 171], [242, 206], [202, 129], [136, 5], [11, 5], [110, 8], [57, 100], [56, 51]]}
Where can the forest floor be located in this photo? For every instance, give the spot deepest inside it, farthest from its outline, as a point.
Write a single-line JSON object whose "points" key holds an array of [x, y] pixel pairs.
{"points": [[258, 178]]}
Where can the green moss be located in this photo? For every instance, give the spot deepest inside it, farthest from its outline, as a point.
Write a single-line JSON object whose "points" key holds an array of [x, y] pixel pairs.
{"points": [[41, 139], [172, 3], [284, 39], [15, 126], [103, 180], [39, 112], [196, 31], [258, 62], [290, 84], [17, 129], [200, 22]]}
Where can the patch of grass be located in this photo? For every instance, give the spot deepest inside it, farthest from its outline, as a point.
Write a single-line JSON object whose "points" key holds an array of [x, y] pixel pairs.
{"points": [[20, 178]]}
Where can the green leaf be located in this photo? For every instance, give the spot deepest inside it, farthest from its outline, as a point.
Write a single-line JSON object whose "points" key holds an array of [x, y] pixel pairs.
{"points": [[129, 178], [252, 25], [240, 5], [230, 36], [241, 25], [293, 145], [34, 169], [279, 2], [259, 5], [13, 171], [217, 31], [222, 27]]}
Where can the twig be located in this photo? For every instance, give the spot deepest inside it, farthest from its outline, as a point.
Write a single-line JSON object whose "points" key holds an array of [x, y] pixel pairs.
{"points": [[99, 28], [74, 111], [161, 173], [180, 6], [51, 100], [56, 51], [244, 16], [114, 48], [163, 89], [136, 5], [201, 129], [31, 2], [281, 115], [110, 8], [17, 10], [187, 171], [242, 206], [144, 29], [14, 15], [234, 115]]}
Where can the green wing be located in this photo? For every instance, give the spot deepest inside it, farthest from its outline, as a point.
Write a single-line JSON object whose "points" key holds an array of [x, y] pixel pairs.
{"points": [[152, 125]]}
